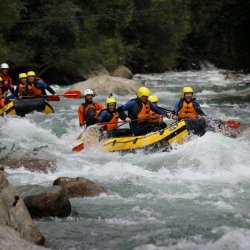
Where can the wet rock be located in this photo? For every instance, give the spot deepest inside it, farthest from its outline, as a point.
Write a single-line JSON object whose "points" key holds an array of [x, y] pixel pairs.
{"points": [[104, 85], [33, 165], [79, 187], [45, 201], [10, 240], [123, 72], [13, 213]]}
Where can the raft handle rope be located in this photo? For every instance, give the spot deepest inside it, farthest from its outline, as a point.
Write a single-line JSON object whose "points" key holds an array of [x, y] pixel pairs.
{"points": [[132, 140]]}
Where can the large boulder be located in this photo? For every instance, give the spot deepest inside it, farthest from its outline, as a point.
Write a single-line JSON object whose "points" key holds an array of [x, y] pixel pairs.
{"points": [[123, 72], [13, 213], [45, 201], [33, 165], [79, 187], [10, 239], [104, 85], [99, 70]]}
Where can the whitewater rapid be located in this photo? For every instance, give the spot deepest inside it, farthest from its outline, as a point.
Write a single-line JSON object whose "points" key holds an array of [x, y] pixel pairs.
{"points": [[193, 197]]}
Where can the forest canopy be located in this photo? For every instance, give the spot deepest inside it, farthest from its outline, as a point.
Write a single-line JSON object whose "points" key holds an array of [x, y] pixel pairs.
{"points": [[147, 36]]}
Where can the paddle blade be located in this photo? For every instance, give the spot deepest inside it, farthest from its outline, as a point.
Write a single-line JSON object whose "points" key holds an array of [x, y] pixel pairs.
{"points": [[232, 124], [75, 94], [2, 103], [78, 148], [53, 98]]}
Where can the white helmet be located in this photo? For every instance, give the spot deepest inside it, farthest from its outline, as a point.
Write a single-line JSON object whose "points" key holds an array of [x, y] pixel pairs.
{"points": [[88, 92], [4, 66]]}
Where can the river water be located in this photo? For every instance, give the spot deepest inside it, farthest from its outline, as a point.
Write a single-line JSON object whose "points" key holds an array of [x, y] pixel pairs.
{"points": [[195, 197]]}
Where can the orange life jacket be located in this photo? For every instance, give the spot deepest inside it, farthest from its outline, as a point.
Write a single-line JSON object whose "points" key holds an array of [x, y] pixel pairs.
{"points": [[113, 122], [187, 110], [145, 113], [155, 116], [21, 89], [32, 90]]}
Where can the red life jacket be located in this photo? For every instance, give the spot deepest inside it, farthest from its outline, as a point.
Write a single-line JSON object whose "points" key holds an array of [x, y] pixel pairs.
{"points": [[7, 80]]}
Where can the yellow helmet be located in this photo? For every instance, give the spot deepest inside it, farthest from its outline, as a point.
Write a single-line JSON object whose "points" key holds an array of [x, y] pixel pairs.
{"points": [[143, 91], [31, 73], [110, 100], [187, 90], [1, 79], [22, 75], [153, 98]]}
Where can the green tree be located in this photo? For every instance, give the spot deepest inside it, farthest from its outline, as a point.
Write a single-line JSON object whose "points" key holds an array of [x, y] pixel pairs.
{"points": [[10, 12], [220, 32], [101, 41], [157, 37]]}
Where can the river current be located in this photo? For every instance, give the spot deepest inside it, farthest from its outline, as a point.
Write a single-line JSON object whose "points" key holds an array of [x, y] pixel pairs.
{"points": [[196, 196]]}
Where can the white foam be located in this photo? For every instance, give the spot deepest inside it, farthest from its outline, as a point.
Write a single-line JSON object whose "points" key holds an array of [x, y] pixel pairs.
{"points": [[232, 239]]}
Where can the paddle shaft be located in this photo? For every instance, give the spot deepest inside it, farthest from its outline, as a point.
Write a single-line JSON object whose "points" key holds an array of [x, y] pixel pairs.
{"points": [[74, 94], [116, 127], [167, 110]]}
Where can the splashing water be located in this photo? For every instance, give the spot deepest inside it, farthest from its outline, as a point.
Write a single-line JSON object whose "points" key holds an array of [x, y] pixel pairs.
{"points": [[194, 197]]}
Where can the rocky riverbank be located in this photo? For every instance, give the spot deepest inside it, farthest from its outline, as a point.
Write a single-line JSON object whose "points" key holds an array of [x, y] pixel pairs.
{"points": [[14, 214], [19, 205], [104, 85]]}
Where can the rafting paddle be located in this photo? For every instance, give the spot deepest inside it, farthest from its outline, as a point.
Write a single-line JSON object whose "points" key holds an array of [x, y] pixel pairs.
{"points": [[53, 98], [78, 147], [228, 124], [73, 94], [231, 124]]}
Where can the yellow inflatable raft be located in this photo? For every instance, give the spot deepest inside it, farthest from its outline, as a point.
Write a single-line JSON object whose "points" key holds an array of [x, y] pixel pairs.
{"points": [[21, 107], [155, 141], [175, 133]]}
